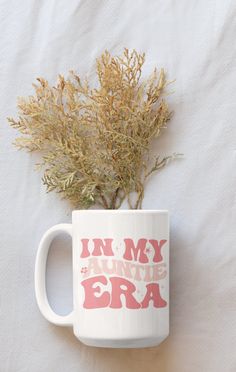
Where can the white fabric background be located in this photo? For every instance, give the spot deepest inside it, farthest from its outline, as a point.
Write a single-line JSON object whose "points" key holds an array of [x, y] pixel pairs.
{"points": [[195, 42]]}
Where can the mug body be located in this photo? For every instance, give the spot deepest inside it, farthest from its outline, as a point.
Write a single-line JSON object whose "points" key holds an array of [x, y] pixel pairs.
{"points": [[121, 277]]}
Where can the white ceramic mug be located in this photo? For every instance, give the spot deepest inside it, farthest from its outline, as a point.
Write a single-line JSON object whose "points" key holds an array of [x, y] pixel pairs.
{"points": [[120, 277]]}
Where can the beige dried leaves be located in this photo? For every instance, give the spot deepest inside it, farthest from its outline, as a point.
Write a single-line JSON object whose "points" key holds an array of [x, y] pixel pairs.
{"points": [[95, 142]]}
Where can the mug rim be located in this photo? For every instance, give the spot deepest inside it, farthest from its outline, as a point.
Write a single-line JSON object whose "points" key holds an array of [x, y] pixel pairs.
{"points": [[122, 211]]}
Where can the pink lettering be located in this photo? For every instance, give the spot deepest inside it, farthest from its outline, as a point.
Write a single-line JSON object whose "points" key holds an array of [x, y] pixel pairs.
{"points": [[102, 246], [121, 286], [153, 293], [91, 300], [157, 247], [133, 252], [85, 252]]}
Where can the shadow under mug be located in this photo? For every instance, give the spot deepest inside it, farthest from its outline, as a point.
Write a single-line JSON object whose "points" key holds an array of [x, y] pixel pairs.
{"points": [[120, 277]]}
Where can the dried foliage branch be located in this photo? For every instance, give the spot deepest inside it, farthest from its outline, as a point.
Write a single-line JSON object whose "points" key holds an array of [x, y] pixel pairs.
{"points": [[95, 142]]}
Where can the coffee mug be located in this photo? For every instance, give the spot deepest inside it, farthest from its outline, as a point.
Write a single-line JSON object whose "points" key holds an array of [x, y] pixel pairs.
{"points": [[120, 277]]}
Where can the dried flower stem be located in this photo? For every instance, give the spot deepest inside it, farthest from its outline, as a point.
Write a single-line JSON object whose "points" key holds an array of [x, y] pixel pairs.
{"points": [[95, 141]]}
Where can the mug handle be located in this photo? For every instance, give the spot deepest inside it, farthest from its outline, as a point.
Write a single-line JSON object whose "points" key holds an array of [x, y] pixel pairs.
{"points": [[40, 276]]}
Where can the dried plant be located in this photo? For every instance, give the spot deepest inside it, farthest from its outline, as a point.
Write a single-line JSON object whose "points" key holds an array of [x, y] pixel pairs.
{"points": [[95, 142]]}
